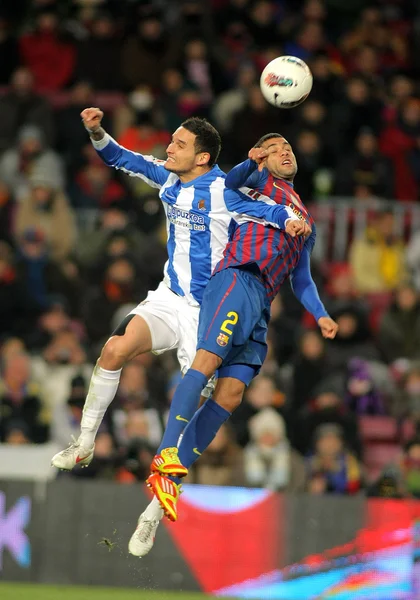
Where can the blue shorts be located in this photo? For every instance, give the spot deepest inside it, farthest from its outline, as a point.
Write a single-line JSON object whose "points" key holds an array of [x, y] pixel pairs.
{"points": [[233, 322]]}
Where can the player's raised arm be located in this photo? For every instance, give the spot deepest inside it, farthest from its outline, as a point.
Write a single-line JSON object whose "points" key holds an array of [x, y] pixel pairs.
{"points": [[306, 292], [265, 210], [147, 167], [244, 174], [248, 173]]}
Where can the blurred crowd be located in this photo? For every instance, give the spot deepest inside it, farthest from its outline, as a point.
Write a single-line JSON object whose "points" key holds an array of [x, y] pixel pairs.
{"points": [[80, 244]]}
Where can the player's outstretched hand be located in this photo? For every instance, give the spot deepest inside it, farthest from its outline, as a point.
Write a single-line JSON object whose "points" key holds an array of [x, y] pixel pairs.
{"points": [[297, 227], [328, 327], [259, 156], [92, 118]]}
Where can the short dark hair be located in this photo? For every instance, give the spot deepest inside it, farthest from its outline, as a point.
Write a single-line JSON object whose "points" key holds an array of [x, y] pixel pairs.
{"points": [[207, 137], [267, 136]]}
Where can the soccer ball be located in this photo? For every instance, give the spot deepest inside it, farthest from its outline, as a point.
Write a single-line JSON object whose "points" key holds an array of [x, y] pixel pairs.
{"points": [[286, 81]]}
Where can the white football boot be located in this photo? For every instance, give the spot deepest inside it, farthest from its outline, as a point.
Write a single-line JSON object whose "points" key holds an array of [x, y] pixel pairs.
{"points": [[74, 455], [143, 538]]}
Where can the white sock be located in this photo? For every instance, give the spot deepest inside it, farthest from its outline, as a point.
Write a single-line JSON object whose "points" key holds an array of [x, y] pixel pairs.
{"points": [[153, 510], [102, 390]]}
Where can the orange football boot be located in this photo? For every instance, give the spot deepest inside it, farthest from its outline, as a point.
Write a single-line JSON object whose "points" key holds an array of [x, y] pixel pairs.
{"points": [[167, 492], [168, 463]]}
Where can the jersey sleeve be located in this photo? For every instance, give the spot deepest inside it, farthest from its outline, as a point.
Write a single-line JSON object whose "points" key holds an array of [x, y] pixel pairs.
{"points": [[244, 174], [148, 168], [310, 241], [304, 287], [237, 201]]}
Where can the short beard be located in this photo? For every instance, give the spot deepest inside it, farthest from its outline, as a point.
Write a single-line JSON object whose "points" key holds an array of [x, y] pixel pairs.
{"points": [[286, 177]]}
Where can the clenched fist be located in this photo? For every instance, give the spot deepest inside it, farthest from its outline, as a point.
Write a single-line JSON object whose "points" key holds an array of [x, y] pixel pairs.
{"points": [[328, 327], [296, 227], [92, 118]]}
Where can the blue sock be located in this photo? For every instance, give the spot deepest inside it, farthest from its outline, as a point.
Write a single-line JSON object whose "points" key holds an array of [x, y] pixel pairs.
{"points": [[183, 406], [201, 431]]}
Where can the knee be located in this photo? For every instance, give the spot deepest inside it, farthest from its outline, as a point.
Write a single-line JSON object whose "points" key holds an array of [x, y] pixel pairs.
{"points": [[206, 362], [229, 393], [113, 355]]}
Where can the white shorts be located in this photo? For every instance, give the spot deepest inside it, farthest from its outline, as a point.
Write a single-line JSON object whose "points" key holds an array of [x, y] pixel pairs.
{"points": [[173, 324]]}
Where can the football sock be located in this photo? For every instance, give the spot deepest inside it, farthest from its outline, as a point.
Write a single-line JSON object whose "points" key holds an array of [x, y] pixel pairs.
{"points": [[102, 390], [201, 431], [153, 510], [184, 404]]}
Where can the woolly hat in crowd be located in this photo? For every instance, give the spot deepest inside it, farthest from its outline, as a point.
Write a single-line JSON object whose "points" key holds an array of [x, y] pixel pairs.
{"points": [[267, 420]]}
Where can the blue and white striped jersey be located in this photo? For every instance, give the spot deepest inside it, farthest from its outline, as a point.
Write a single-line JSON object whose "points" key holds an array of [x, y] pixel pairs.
{"points": [[198, 215]]}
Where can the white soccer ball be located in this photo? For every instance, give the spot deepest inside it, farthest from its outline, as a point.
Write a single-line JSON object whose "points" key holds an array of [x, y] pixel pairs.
{"points": [[286, 81]]}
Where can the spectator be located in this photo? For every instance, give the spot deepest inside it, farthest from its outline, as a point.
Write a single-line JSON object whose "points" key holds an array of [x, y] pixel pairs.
{"points": [[21, 400], [145, 55], [30, 156], [365, 166], [262, 393], [357, 110], [283, 345], [48, 54], [47, 210], [378, 256], [249, 123], [326, 83], [136, 462], [362, 396], [17, 433], [310, 366], [94, 185], [114, 223], [55, 319], [398, 142], [327, 407], [406, 403], [9, 53], [144, 137], [387, 485], [66, 418], [261, 24], [61, 361], [222, 463], [134, 395], [98, 55], [399, 332], [408, 469], [119, 286], [309, 155], [270, 462], [354, 337], [310, 40], [169, 102], [20, 106], [6, 213], [230, 102], [413, 259], [17, 313], [331, 468], [202, 70], [71, 135], [341, 291]]}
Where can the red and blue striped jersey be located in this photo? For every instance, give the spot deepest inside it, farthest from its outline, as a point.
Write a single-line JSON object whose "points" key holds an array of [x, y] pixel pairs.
{"points": [[272, 250]]}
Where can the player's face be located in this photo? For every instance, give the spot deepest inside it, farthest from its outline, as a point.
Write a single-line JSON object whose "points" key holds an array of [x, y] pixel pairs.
{"points": [[281, 162], [182, 157]]}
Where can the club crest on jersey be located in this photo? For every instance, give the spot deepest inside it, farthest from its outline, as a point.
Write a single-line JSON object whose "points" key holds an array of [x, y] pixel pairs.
{"points": [[201, 205], [222, 339]]}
